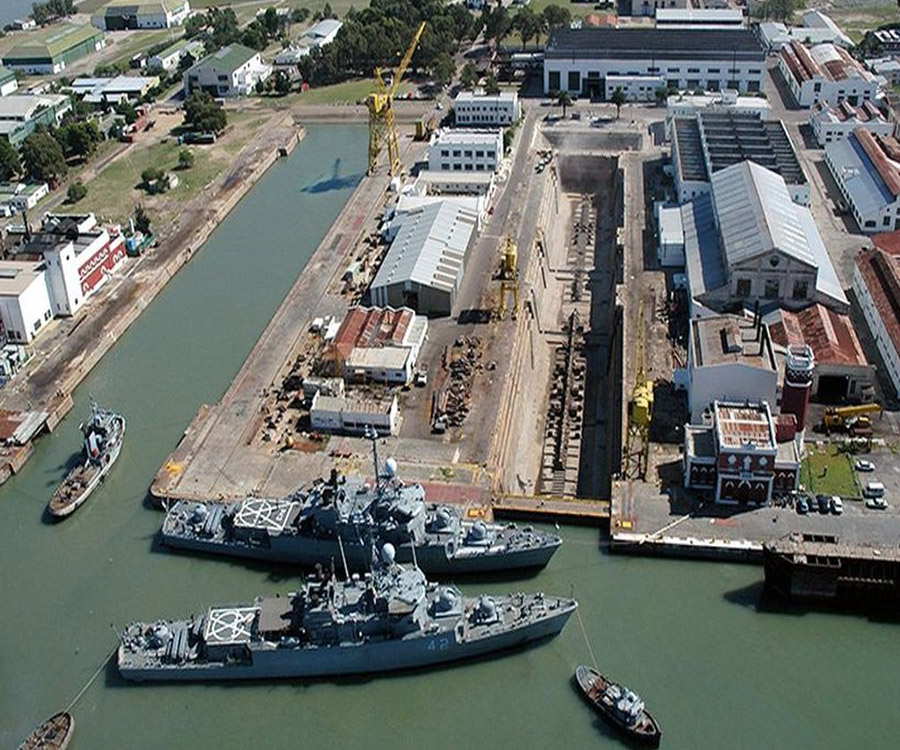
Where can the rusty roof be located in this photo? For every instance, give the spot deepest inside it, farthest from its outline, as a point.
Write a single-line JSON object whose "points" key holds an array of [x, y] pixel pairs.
{"points": [[830, 335], [744, 426], [880, 272], [370, 327]]}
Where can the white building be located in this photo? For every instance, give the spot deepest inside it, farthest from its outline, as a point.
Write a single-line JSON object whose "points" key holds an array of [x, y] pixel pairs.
{"points": [[775, 36], [579, 60], [825, 73], [113, 90], [9, 84], [477, 109], [322, 33], [24, 299], [865, 168], [816, 19], [688, 105], [80, 257], [465, 151], [119, 15], [876, 284], [730, 358], [170, 58], [453, 183], [353, 415], [886, 67], [836, 123], [231, 71], [649, 7], [670, 250], [21, 196], [699, 19], [748, 242], [424, 265]]}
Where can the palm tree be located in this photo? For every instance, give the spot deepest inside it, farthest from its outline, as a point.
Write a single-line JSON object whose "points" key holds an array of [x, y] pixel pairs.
{"points": [[564, 99], [618, 98]]}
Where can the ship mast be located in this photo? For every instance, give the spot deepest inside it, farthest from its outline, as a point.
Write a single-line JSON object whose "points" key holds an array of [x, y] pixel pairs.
{"points": [[372, 434]]}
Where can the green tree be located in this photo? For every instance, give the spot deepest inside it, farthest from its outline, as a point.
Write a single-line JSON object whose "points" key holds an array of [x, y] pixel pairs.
{"points": [[618, 98], [185, 158], [272, 21], [491, 85], [564, 100], [202, 113], [468, 76], [195, 25], [10, 164], [141, 219], [662, 93], [78, 138], [300, 15], [282, 83], [528, 24], [497, 24], [151, 174], [43, 158], [76, 192], [442, 70], [554, 16], [127, 110]]}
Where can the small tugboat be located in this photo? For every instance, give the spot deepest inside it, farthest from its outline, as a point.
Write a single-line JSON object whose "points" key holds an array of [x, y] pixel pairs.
{"points": [[53, 734], [103, 435], [619, 706]]}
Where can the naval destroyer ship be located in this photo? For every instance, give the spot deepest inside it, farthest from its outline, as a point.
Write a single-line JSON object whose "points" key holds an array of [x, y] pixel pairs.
{"points": [[342, 516], [388, 619]]}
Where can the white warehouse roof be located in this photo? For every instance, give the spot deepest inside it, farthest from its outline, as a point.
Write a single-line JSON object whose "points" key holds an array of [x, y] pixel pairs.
{"points": [[430, 247]]}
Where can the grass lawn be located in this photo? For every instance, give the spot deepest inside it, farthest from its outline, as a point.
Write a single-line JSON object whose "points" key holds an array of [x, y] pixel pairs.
{"points": [[114, 192], [856, 17], [840, 478]]}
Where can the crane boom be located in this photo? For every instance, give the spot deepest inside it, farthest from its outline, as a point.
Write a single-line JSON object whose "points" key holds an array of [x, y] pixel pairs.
{"points": [[380, 103]]}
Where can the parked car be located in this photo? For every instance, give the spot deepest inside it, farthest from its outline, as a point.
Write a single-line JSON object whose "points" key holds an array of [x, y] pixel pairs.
{"points": [[824, 503], [802, 505], [873, 489], [837, 505], [876, 503], [863, 465]]}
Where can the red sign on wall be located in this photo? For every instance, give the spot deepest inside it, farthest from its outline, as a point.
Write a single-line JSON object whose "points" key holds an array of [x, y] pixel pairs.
{"points": [[105, 259]]}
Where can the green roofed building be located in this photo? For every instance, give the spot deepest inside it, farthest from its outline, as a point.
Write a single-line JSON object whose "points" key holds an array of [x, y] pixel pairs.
{"points": [[8, 82], [119, 15], [53, 49]]}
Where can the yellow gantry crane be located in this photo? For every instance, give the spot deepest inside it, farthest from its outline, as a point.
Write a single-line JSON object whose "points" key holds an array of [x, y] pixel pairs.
{"points": [[640, 413], [381, 112], [508, 276]]}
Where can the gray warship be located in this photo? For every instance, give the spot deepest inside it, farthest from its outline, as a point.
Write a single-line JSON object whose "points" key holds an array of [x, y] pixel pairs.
{"points": [[343, 515], [389, 619]]}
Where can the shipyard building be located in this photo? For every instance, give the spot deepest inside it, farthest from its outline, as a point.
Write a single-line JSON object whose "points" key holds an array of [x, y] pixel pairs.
{"points": [[596, 61], [748, 242], [836, 123], [865, 168], [231, 71], [477, 109], [9, 84], [53, 49], [22, 114], [120, 15], [825, 74]]}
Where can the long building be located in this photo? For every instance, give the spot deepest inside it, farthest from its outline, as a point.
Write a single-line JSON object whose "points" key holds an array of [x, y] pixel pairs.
{"points": [[424, 265], [865, 168], [711, 141], [580, 60], [119, 15], [876, 284], [53, 49], [836, 123], [825, 74]]}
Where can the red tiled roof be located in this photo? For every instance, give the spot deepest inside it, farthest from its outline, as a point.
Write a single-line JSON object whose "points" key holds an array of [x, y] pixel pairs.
{"points": [[883, 151], [881, 275], [800, 71], [829, 334], [372, 327]]}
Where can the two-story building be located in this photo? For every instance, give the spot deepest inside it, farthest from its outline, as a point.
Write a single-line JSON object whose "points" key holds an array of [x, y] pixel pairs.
{"points": [[477, 109], [462, 150], [231, 71], [825, 74]]}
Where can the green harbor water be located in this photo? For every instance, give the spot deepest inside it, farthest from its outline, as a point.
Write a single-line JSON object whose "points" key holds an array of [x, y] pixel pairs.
{"points": [[717, 671]]}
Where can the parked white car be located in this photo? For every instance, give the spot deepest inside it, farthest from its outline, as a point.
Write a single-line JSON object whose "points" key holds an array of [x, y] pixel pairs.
{"points": [[863, 465]]}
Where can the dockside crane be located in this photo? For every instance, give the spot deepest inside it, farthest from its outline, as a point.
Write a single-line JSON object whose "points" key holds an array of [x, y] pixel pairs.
{"points": [[380, 103], [640, 413], [508, 277]]}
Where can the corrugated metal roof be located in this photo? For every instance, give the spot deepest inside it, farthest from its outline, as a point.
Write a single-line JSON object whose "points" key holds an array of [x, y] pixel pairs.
{"points": [[703, 258], [757, 215], [430, 247], [827, 282], [861, 180]]}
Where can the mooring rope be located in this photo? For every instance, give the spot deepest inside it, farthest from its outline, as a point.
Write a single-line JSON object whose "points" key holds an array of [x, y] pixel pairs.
{"points": [[93, 677]]}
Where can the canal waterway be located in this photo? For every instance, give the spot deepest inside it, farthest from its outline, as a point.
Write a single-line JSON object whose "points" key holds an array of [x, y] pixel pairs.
{"points": [[717, 672], [10, 10]]}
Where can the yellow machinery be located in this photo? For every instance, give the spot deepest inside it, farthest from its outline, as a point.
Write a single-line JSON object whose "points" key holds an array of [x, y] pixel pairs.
{"points": [[382, 129], [508, 276], [640, 414], [841, 417]]}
